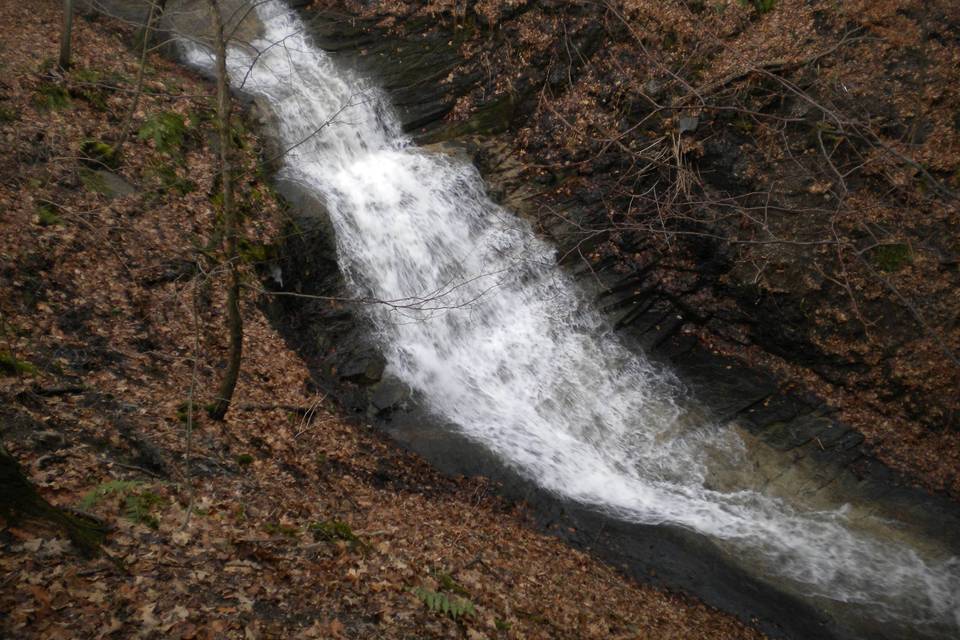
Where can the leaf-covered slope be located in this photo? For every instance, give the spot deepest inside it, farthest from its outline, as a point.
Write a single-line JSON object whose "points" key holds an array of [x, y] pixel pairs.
{"points": [[284, 521]]}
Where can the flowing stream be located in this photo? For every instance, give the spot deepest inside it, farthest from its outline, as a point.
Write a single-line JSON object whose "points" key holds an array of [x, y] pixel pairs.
{"points": [[502, 344]]}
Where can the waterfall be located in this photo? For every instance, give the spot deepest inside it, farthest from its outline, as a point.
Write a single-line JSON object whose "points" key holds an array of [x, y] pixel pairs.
{"points": [[501, 343]]}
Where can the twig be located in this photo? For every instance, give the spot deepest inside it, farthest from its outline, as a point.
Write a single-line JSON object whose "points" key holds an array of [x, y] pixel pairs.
{"points": [[270, 407], [191, 394], [134, 467]]}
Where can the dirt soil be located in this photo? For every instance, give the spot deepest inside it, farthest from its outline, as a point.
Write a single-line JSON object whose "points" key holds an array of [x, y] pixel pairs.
{"points": [[284, 521]]}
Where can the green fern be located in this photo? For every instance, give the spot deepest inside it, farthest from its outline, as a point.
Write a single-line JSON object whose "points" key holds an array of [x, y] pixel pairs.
{"points": [[95, 496], [332, 530], [167, 130], [137, 505], [454, 608], [762, 6], [447, 583], [51, 97]]}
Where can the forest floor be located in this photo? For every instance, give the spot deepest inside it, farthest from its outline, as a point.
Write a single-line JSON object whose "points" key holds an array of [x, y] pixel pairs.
{"points": [[285, 520]]}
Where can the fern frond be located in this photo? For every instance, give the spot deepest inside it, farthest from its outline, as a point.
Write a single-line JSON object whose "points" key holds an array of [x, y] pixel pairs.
{"points": [[454, 608]]}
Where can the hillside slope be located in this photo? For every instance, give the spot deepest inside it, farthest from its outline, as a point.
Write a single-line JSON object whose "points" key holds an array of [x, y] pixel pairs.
{"points": [[285, 521]]}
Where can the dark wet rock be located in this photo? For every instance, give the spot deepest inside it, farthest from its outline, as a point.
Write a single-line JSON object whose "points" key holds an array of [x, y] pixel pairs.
{"points": [[465, 151], [775, 409], [723, 384], [786, 436], [49, 440], [688, 124], [365, 368], [390, 393], [730, 164]]}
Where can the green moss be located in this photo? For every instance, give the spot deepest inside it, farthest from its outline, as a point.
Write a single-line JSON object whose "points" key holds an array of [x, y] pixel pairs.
{"points": [[488, 119], [96, 495], [743, 125], [333, 531], [10, 365], [255, 253], [244, 459], [167, 175], [197, 119], [174, 86], [97, 153], [93, 86], [47, 215], [282, 529], [8, 114], [86, 76], [761, 6], [183, 412], [237, 133], [891, 257]]}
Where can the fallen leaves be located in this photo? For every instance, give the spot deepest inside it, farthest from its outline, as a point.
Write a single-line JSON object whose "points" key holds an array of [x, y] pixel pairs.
{"points": [[219, 539]]}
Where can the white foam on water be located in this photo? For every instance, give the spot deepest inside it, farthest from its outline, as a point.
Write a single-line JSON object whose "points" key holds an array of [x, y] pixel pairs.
{"points": [[504, 346]]}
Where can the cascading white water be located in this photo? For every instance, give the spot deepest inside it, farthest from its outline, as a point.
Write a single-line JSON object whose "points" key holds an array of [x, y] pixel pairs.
{"points": [[501, 343]]}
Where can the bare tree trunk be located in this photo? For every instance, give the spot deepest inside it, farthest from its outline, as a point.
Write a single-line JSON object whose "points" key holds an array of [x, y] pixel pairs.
{"points": [[138, 90], [19, 499], [147, 35], [158, 7], [66, 35], [230, 223]]}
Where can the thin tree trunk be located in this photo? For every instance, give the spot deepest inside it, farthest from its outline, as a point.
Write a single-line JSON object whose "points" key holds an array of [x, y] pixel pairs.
{"points": [[138, 90], [66, 35], [20, 499], [230, 223], [157, 7]]}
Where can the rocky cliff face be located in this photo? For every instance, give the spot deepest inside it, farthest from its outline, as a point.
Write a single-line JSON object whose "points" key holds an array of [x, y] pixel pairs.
{"points": [[779, 184]]}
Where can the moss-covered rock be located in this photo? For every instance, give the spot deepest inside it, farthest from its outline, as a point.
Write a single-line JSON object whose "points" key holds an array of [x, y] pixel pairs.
{"points": [[98, 154]]}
